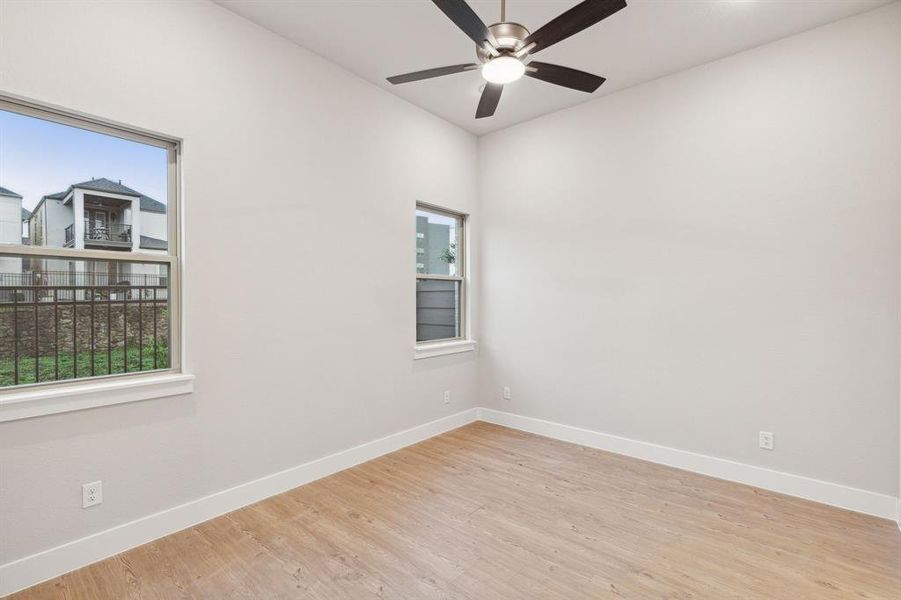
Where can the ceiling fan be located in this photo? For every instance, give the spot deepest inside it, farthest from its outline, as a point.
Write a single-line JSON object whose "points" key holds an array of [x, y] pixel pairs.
{"points": [[504, 49]]}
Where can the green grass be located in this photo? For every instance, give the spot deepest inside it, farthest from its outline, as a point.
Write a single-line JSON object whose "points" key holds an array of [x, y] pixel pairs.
{"points": [[46, 364]]}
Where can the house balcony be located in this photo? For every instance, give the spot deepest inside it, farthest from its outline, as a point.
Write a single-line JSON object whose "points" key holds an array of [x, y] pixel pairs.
{"points": [[110, 237]]}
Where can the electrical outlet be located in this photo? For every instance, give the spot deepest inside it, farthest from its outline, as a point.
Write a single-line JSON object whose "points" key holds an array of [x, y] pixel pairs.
{"points": [[91, 494], [507, 394], [766, 440], [447, 396]]}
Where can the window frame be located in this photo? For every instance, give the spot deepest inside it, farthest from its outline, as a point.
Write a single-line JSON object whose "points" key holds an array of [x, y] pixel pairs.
{"points": [[159, 382], [427, 348]]}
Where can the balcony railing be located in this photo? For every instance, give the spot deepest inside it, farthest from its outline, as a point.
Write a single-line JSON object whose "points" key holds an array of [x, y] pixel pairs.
{"points": [[103, 235]]}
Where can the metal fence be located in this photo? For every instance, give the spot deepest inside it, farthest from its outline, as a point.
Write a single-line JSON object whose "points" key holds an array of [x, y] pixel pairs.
{"points": [[72, 331], [79, 278]]}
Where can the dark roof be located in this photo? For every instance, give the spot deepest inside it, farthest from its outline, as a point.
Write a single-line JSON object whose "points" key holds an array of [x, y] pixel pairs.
{"points": [[8, 192], [26, 214], [148, 204], [150, 243], [103, 184]]}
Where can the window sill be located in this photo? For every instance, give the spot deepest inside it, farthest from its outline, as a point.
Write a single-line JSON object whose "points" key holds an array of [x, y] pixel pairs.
{"points": [[78, 396], [443, 348]]}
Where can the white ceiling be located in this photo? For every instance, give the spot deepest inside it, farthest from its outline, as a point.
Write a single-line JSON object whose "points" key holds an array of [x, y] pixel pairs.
{"points": [[646, 40]]}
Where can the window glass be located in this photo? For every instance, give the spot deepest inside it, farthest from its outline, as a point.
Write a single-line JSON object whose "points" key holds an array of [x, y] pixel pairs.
{"points": [[86, 261], [439, 275], [50, 170], [437, 242], [437, 309]]}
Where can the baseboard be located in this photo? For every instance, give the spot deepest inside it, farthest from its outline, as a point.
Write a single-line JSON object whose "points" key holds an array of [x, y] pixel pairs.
{"points": [[34, 569], [834, 494]]}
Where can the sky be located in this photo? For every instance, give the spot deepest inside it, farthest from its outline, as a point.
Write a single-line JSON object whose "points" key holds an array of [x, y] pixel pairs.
{"points": [[40, 157]]}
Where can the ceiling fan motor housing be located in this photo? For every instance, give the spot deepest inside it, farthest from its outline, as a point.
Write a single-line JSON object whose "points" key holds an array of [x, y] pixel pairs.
{"points": [[510, 38]]}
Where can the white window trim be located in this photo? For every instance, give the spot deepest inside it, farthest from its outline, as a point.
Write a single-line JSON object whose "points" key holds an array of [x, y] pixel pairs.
{"points": [[47, 398], [464, 343], [92, 393], [443, 348]]}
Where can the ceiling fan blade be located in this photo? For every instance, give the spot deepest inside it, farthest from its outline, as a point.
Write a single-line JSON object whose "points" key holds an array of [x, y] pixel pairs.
{"points": [[579, 17], [571, 78], [466, 19], [429, 73], [491, 95]]}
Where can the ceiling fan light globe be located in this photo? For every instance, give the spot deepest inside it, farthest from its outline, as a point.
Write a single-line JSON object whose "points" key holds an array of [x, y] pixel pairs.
{"points": [[503, 69]]}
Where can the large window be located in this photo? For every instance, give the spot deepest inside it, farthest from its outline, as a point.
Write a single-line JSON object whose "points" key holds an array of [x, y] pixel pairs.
{"points": [[89, 275], [440, 272]]}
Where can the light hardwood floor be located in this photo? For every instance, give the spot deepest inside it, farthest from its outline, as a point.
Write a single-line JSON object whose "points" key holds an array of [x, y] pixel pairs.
{"points": [[485, 512]]}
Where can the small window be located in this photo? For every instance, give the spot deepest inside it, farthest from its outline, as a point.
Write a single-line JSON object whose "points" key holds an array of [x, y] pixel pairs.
{"points": [[439, 274], [88, 248]]}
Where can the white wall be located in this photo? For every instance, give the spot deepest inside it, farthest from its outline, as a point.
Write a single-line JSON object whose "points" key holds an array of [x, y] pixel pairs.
{"points": [[711, 254], [155, 225], [57, 216], [10, 220], [298, 350], [10, 231]]}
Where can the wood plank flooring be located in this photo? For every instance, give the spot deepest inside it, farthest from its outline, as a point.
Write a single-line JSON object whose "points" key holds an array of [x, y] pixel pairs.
{"points": [[485, 512]]}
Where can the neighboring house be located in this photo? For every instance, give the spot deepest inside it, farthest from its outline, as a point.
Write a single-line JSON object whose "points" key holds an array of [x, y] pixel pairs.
{"points": [[11, 217], [100, 214], [26, 216]]}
